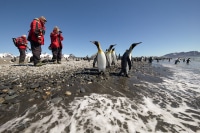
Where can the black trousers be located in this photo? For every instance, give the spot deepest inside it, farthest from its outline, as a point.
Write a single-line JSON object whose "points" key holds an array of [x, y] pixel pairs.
{"points": [[36, 51], [22, 55], [57, 54]]}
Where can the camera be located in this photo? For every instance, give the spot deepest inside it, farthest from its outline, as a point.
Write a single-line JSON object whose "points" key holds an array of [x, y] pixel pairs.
{"points": [[60, 31]]}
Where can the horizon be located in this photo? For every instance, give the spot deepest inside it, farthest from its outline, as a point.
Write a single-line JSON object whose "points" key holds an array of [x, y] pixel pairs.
{"points": [[162, 26], [27, 53]]}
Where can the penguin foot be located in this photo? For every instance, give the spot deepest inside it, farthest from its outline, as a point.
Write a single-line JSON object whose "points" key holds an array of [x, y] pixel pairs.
{"points": [[127, 76], [120, 73], [101, 73]]}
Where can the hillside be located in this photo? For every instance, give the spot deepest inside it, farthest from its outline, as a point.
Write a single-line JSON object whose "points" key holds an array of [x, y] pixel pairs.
{"points": [[183, 54]]}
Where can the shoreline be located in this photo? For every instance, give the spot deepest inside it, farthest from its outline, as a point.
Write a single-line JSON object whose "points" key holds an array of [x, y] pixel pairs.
{"points": [[63, 83], [18, 80]]}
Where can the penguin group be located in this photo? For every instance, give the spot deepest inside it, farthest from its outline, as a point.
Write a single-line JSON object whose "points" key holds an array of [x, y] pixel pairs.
{"points": [[109, 55], [108, 58]]}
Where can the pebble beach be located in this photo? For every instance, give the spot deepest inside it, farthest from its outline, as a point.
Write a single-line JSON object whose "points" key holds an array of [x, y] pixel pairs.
{"points": [[57, 94]]}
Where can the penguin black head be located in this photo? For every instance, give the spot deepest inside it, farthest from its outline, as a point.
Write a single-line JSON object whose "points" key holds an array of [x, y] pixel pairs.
{"points": [[111, 46], [134, 44], [95, 42]]}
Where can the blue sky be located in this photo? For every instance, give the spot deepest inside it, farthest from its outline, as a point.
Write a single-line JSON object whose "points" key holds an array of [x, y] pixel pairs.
{"points": [[164, 26]]}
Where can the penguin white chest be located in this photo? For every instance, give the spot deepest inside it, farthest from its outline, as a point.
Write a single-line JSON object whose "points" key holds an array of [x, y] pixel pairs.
{"points": [[109, 58], [127, 67], [114, 57], [101, 61]]}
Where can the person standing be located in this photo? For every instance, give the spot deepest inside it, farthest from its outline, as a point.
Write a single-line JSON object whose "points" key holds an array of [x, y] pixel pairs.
{"points": [[36, 38], [56, 45], [21, 43]]}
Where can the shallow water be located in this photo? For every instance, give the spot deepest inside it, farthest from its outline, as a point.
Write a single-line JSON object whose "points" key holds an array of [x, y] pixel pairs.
{"points": [[169, 106]]}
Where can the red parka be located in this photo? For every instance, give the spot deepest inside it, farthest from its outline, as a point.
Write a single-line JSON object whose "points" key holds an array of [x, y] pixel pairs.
{"points": [[37, 31], [21, 42], [56, 39]]}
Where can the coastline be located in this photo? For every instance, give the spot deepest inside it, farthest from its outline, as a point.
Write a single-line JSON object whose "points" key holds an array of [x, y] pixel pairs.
{"points": [[28, 85], [28, 90]]}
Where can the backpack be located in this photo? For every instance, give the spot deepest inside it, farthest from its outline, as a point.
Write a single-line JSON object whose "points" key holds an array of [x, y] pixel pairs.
{"points": [[17, 41]]}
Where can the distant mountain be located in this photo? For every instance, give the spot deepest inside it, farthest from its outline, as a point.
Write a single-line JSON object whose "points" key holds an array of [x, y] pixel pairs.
{"points": [[4, 55], [183, 54], [28, 55], [43, 55], [72, 56]]}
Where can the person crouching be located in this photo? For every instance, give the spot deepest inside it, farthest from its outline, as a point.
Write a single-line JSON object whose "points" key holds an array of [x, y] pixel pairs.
{"points": [[21, 43], [56, 45]]}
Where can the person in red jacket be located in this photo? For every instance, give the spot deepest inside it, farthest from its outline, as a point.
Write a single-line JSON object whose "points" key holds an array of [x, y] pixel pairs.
{"points": [[36, 38], [56, 45], [21, 43]]}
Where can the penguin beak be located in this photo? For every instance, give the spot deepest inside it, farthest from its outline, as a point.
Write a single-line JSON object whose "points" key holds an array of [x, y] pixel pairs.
{"points": [[136, 43], [92, 41], [114, 45]]}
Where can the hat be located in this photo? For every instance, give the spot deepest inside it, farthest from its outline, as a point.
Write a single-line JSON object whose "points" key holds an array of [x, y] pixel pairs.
{"points": [[43, 18], [56, 28], [23, 35]]}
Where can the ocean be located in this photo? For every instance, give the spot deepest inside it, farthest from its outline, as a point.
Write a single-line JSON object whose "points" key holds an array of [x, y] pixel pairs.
{"points": [[173, 107]]}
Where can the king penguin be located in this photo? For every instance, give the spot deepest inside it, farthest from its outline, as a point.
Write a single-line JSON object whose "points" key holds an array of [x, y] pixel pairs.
{"points": [[126, 60], [101, 58], [114, 57], [109, 55]]}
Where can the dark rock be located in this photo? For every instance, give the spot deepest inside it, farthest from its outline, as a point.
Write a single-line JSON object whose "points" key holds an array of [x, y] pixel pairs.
{"points": [[11, 97], [82, 90], [56, 100], [35, 85], [11, 92], [3, 87]]}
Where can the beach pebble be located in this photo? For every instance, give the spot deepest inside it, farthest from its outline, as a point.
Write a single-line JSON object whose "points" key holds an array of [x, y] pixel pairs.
{"points": [[137, 85], [3, 87], [48, 93], [35, 85], [11, 92], [2, 99], [44, 97], [56, 100], [5, 90], [31, 99], [82, 90], [10, 97], [22, 90], [68, 93]]}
